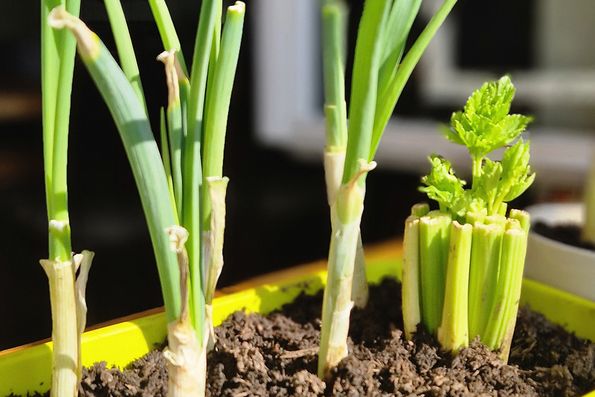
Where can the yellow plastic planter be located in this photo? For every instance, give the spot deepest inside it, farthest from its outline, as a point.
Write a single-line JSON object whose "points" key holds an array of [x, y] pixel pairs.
{"points": [[27, 368]]}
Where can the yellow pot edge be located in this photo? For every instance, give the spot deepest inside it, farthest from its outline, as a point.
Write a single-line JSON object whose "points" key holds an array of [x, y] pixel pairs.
{"points": [[120, 343]]}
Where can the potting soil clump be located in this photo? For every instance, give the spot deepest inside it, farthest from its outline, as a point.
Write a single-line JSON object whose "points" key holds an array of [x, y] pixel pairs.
{"points": [[276, 355]]}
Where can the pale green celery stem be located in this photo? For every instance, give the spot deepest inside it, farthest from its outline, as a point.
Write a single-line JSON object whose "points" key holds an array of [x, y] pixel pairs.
{"points": [[588, 232], [141, 149], [453, 331], [364, 86], [167, 30], [485, 260], [410, 292], [333, 43], [213, 245], [508, 289], [124, 45], [166, 159], [475, 217], [64, 327], [524, 221], [420, 209], [192, 167], [523, 217], [495, 219], [388, 99], [434, 232], [502, 208], [337, 302]]}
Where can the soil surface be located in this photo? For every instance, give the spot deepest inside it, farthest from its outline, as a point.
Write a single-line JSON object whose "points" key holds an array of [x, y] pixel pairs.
{"points": [[564, 233], [276, 356]]}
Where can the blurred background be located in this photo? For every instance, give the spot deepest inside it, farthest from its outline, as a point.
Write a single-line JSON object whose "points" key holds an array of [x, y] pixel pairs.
{"points": [[277, 210]]}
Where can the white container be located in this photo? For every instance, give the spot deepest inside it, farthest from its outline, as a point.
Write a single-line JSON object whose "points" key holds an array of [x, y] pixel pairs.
{"points": [[560, 265]]}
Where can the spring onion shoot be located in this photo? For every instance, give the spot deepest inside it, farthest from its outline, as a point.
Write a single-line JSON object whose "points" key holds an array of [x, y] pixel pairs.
{"points": [[380, 71], [182, 189], [463, 263], [67, 290]]}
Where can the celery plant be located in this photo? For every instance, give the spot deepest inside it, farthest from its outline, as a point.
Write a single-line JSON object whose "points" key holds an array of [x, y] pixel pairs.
{"points": [[380, 72], [470, 256], [183, 189], [67, 291]]}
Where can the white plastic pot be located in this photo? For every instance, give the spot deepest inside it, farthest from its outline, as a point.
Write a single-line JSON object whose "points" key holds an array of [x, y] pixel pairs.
{"points": [[560, 265]]}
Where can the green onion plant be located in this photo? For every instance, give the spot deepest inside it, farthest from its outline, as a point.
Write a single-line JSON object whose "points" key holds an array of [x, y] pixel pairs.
{"points": [[380, 71], [463, 263], [182, 187], [67, 290]]}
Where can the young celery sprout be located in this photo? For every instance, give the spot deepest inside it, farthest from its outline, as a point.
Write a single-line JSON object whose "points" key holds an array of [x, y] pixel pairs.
{"points": [[183, 189], [67, 291], [380, 71], [463, 263]]}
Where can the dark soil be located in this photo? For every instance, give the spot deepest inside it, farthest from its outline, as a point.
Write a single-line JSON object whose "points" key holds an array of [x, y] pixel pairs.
{"points": [[564, 233], [276, 356]]}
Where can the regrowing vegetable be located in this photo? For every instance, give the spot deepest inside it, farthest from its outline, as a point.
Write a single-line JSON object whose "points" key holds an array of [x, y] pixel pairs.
{"points": [[463, 263], [67, 290], [380, 71], [182, 189]]}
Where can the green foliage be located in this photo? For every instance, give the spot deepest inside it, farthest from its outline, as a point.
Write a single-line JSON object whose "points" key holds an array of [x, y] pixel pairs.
{"points": [[483, 126], [484, 123], [443, 186]]}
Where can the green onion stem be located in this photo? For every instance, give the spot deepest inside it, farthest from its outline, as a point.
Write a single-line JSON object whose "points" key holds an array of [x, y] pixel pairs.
{"points": [[61, 276], [333, 42], [399, 23], [390, 95], [57, 67], [218, 100], [174, 127], [124, 45], [167, 31], [166, 158], [337, 302], [141, 149], [368, 51], [192, 168]]}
